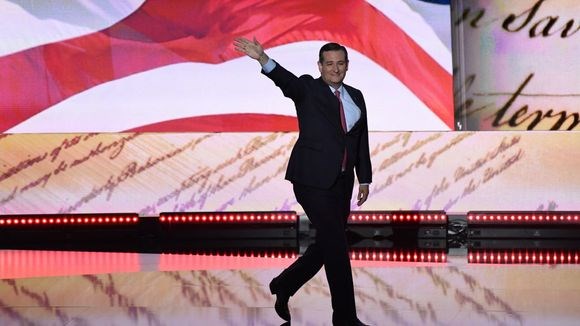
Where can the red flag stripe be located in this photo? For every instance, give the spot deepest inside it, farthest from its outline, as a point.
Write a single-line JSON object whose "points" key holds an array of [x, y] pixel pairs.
{"points": [[243, 122]]}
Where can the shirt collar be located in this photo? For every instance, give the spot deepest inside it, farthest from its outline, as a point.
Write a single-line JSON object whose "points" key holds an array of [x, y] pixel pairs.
{"points": [[340, 89]]}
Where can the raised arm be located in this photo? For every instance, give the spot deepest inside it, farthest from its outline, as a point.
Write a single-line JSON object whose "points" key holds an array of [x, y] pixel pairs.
{"points": [[252, 49], [285, 80]]}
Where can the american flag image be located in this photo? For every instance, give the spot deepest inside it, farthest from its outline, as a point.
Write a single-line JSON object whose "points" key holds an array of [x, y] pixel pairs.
{"points": [[154, 65]]}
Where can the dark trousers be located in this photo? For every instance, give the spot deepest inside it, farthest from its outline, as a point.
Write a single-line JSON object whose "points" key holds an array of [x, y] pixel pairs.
{"points": [[328, 210]]}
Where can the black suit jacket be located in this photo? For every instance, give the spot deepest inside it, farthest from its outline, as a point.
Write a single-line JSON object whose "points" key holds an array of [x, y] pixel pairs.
{"points": [[317, 156]]}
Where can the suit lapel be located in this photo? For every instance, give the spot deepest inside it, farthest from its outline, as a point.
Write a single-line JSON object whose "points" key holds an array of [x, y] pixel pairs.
{"points": [[331, 108]]}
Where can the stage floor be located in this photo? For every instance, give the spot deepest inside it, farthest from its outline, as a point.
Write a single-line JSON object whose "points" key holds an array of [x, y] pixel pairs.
{"points": [[98, 288]]}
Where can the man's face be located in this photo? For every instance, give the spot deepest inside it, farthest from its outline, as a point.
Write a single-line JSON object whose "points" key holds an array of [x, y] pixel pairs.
{"points": [[333, 68]]}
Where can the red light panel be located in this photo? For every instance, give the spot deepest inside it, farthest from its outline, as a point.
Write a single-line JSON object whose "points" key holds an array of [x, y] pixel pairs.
{"points": [[230, 218], [519, 218], [43, 263], [31, 221], [524, 256], [266, 253], [411, 256], [398, 217]]}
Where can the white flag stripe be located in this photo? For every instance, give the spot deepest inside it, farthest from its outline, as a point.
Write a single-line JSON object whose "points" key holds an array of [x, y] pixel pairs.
{"points": [[26, 24], [194, 89], [438, 16], [418, 29]]}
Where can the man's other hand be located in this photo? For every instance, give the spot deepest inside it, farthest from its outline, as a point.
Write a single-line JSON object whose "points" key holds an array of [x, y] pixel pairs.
{"points": [[363, 193]]}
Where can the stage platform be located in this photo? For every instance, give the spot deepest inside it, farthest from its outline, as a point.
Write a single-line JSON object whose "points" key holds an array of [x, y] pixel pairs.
{"points": [[107, 288]]}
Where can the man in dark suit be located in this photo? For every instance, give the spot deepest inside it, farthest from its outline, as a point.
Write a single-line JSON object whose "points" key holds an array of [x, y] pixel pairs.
{"points": [[332, 142]]}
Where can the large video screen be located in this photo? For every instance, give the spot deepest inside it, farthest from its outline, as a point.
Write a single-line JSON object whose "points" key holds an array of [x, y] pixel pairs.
{"points": [[87, 71], [154, 65]]}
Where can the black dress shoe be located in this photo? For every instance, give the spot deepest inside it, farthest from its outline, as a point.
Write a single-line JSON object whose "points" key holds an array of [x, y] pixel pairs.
{"points": [[345, 322], [281, 305]]}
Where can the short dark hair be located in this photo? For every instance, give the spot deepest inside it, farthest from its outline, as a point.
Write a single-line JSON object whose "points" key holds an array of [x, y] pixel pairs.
{"points": [[331, 47]]}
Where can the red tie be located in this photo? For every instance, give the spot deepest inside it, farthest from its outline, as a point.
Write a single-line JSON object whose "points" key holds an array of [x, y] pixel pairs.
{"points": [[343, 123]]}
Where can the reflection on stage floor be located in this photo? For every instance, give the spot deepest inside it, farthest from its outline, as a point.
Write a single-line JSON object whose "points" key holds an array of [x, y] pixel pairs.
{"points": [[224, 286]]}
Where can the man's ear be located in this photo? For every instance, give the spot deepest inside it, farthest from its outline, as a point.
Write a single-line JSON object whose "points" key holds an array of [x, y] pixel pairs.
{"points": [[320, 66]]}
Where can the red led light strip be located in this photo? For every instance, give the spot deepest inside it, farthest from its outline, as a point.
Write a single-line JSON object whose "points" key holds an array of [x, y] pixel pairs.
{"points": [[523, 256], [523, 218], [67, 220], [239, 253], [229, 217], [414, 256], [402, 217]]}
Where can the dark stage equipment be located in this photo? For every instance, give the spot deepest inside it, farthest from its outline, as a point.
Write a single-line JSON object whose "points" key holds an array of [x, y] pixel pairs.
{"points": [[523, 237], [398, 224], [58, 230], [524, 225]]}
